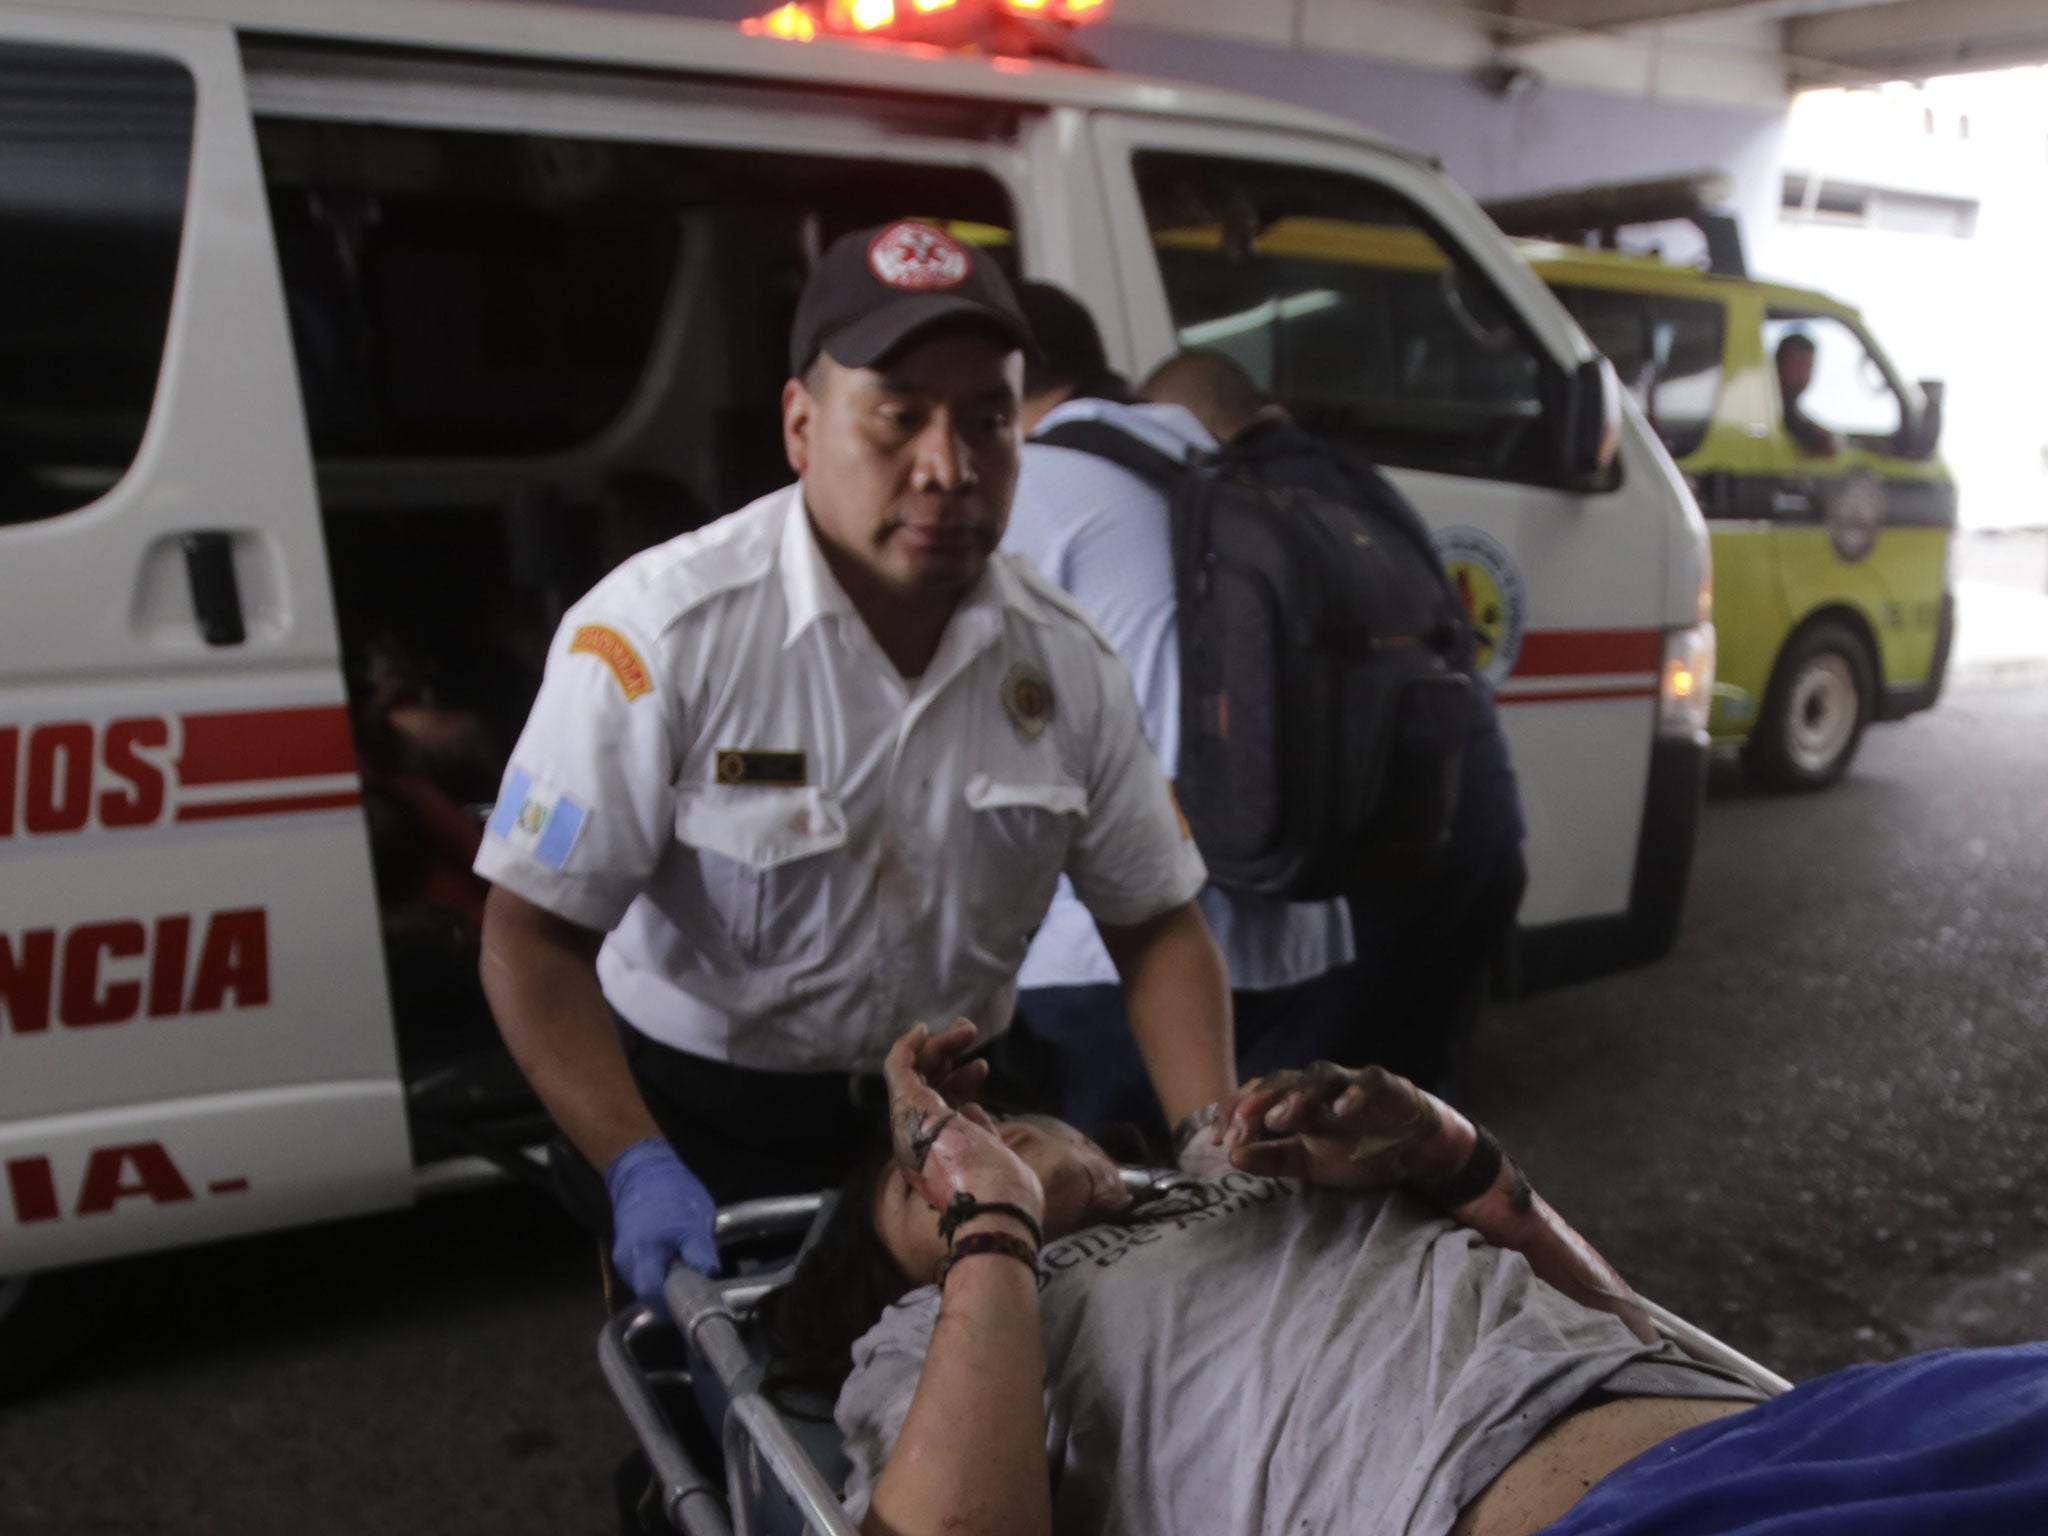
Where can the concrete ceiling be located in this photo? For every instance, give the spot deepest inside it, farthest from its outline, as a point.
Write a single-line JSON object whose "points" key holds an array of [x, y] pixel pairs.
{"points": [[1831, 41]]}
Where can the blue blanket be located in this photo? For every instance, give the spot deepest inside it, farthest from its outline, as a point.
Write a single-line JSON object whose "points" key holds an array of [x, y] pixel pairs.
{"points": [[1947, 1444]]}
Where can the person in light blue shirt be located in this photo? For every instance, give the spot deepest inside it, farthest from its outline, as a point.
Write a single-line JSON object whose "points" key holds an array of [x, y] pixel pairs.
{"points": [[1100, 532]]}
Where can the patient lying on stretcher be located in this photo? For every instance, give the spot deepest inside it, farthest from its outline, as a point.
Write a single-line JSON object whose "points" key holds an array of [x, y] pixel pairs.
{"points": [[1361, 1320]]}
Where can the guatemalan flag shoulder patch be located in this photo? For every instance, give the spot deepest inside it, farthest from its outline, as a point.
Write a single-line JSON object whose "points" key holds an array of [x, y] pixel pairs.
{"points": [[537, 819]]}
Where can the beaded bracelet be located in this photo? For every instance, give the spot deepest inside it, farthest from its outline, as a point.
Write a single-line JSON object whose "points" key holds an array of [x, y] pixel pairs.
{"points": [[963, 1208], [1007, 1243]]}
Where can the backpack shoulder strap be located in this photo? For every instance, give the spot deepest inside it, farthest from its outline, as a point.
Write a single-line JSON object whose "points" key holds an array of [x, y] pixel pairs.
{"points": [[1120, 448]]}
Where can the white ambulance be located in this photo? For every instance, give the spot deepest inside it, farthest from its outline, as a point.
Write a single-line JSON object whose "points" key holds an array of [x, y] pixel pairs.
{"points": [[342, 342]]}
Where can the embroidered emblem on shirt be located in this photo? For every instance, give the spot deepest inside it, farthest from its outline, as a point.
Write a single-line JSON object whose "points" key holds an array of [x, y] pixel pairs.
{"points": [[616, 652], [537, 819], [781, 770], [1027, 695]]}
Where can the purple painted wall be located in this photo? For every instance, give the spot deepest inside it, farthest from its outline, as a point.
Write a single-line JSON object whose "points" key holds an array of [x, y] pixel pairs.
{"points": [[1545, 138]]}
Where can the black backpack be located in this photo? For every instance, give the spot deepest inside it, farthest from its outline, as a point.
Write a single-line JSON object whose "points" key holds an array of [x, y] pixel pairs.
{"points": [[1323, 718]]}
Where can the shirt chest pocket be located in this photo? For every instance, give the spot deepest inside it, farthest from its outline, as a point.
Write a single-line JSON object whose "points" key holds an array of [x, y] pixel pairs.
{"points": [[1020, 831], [764, 858]]}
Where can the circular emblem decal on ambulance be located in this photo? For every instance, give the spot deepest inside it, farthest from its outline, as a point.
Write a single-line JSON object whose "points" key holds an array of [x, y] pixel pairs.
{"points": [[919, 257], [1490, 587], [1855, 514]]}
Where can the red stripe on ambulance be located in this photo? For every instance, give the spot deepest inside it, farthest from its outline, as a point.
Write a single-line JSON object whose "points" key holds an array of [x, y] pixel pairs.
{"points": [[66, 776], [251, 745], [1590, 652], [269, 805], [116, 972]]}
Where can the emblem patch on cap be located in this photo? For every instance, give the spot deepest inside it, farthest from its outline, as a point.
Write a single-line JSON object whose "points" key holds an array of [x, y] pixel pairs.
{"points": [[918, 257], [1027, 695]]}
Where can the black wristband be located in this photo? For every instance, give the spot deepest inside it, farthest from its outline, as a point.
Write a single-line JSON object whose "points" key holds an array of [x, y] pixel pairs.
{"points": [[964, 1208], [1006, 1243], [1481, 1168]]}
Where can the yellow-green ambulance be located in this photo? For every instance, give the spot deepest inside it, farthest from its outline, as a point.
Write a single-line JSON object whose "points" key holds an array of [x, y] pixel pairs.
{"points": [[1814, 462]]}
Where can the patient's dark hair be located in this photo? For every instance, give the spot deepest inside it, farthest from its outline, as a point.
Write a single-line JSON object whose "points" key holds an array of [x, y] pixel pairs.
{"points": [[847, 1280], [838, 1291]]}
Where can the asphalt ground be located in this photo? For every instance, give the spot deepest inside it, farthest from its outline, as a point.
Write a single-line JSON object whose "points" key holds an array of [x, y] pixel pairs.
{"points": [[1817, 1128]]}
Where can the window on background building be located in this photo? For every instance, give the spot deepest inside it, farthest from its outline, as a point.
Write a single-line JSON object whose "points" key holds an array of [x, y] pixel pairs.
{"points": [[1667, 352], [1823, 200], [94, 153], [1342, 301]]}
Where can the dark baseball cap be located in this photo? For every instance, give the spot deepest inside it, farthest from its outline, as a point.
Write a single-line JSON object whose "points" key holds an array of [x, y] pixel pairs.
{"points": [[877, 288]]}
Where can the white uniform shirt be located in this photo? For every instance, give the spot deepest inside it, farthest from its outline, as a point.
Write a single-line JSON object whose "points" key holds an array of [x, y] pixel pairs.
{"points": [[1101, 533], [796, 852]]}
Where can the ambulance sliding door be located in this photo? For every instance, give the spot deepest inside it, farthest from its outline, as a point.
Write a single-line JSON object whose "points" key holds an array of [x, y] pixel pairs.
{"points": [[194, 1035], [1390, 317]]}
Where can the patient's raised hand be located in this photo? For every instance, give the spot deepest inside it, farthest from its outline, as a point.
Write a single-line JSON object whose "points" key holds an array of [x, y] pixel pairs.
{"points": [[1341, 1128], [950, 1147], [941, 1060]]}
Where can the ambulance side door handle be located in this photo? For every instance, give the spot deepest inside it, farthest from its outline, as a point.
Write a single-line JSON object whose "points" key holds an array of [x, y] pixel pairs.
{"points": [[216, 596]]}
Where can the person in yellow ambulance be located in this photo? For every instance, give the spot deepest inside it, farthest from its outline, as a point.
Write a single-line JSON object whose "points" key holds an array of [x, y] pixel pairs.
{"points": [[808, 775], [1796, 354]]}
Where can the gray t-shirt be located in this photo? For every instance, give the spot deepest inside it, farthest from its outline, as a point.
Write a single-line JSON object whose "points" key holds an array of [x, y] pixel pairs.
{"points": [[1249, 1355]]}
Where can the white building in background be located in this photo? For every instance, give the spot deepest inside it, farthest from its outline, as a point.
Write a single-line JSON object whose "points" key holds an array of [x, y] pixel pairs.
{"points": [[1927, 206]]}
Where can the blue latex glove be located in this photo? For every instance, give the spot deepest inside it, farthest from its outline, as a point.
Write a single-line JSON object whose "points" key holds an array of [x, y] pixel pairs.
{"points": [[660, 1213]]}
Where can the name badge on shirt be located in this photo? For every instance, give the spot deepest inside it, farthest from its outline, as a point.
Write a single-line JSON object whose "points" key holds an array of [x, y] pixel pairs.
{"points": [[772, 770]]}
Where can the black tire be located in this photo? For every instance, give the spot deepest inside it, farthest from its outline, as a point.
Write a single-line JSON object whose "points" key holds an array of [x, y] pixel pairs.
{"points": [[44, 1321], [1822, 695]]}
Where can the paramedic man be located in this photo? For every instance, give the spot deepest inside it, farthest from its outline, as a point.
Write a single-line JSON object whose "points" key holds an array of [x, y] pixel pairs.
{"points": [[808, 775]]}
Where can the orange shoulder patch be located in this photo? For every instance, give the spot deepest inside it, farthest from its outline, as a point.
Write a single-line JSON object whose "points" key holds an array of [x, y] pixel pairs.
{"points": [[616, 652]]}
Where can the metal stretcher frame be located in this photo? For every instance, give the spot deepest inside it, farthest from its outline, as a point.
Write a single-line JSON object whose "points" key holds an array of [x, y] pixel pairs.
{"points": [[760, 1449]]}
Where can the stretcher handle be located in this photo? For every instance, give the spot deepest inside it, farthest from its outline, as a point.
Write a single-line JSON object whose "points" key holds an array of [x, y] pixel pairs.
{"points": [[701, 1312], [691, 1502], [1702, 1345]]}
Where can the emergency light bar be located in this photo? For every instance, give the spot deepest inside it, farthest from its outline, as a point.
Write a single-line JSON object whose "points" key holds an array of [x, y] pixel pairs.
{"points": [[1015, 27]]}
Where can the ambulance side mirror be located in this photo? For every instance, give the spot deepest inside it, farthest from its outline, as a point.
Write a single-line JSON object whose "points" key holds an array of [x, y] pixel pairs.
{"points": [[1922, 434], [1592, 425]]}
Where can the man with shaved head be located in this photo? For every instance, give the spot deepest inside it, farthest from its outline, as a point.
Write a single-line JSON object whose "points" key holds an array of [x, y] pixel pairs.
{"points": [[1100, 532], [1422, 951]]}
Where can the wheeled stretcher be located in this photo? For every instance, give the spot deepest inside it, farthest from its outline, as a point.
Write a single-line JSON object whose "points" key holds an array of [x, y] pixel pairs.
{"points": [[692, 1390]]}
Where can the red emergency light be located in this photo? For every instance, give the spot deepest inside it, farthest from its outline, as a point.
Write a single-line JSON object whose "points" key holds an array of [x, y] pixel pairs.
{"points": [[1008, 27]]}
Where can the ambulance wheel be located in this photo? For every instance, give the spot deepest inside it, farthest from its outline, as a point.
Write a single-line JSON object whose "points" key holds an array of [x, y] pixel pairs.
{"points": [[43, 1322], [1815, 710]]}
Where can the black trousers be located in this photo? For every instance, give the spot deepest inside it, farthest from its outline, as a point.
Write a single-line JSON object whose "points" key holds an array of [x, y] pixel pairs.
{"points": [[748, 1133], [1410, 1002], [1422, 966]]}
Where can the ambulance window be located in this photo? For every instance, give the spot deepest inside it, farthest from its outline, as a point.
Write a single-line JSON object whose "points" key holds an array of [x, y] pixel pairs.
{"points": [[1829, 378], [94, 151], [1341, 299], [1667, 351], [459, 294]]}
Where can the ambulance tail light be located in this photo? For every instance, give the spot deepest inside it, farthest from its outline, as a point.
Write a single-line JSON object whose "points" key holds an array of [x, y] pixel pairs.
{"points": [[1685, 687]]}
